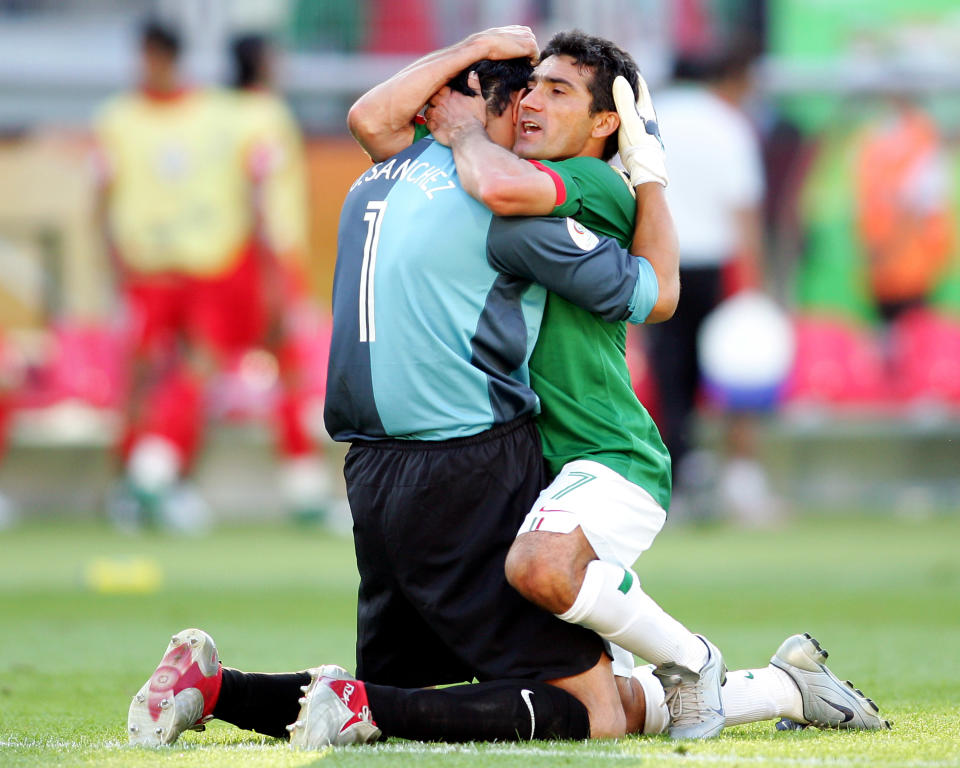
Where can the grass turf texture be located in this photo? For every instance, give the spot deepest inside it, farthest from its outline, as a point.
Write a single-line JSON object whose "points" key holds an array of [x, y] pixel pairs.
{"points": [[880, 595]]}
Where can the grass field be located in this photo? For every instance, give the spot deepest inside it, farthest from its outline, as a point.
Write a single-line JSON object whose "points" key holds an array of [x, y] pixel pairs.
{"points": [[883, 597]]}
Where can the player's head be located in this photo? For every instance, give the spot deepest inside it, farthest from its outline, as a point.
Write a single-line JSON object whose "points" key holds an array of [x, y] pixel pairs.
{"points": [[569, 110], [159, 53], [502, 84], [252, 61], [727, 69]]}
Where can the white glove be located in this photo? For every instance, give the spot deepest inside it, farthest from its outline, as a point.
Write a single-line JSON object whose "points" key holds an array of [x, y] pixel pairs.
{"points": [[641, 150]]}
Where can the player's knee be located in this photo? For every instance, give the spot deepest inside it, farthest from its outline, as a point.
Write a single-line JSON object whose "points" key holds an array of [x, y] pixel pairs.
{"points": [[540, 575]]}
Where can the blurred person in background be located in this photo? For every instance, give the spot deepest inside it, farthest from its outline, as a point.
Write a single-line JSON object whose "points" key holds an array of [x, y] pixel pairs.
{"points": [[273, 150], [715, 196], [903, 207], [179, 226], [9, 380]]}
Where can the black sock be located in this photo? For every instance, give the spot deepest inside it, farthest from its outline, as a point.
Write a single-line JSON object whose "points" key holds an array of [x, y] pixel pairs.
{"points": [[501, 710], [259, 702]]}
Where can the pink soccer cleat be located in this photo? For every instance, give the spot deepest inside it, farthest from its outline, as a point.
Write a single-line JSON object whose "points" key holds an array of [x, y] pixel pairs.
{"points": [[334, 710], [180, 694]]}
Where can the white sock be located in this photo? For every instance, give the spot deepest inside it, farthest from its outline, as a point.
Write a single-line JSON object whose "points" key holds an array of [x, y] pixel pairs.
{"points": [[657, 715], [612, 604], [751, 695], [154, 464]]}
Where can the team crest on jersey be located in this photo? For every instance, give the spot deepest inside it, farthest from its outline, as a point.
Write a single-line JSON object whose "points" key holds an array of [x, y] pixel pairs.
{"points": [[584, 239]]}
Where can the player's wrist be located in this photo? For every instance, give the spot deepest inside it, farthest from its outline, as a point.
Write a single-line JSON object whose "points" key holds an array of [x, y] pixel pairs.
{"points": [[471, 129], [649, 189], [643, 166], [480, 45]]}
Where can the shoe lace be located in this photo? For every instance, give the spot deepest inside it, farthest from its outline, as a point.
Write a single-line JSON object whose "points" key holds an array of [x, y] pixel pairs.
{"points": [[685, 704]]}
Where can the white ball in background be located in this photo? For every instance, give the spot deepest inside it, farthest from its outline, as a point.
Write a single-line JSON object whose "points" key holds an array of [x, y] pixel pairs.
{"points": [[746, 348]]}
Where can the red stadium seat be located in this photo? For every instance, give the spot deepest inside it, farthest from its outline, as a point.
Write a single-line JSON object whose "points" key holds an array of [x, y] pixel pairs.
{"points": [[84, 362], [836, 363], [925, 357]]}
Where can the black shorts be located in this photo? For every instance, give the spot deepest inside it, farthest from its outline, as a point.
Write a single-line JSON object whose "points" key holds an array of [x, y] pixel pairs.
{"points": [[432, 524]]}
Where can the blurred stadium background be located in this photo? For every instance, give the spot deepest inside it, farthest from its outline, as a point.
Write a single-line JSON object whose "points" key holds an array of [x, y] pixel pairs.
{"points": [[869, 417]]}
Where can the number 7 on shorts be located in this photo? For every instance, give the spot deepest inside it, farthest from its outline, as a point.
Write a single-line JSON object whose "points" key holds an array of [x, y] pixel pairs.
{"points": [[582, 478]]}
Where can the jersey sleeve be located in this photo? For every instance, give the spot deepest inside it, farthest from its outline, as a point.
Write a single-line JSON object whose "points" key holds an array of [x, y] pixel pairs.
{"points": [[569, 193], [598, 197], [419, 129], [593, 272]]}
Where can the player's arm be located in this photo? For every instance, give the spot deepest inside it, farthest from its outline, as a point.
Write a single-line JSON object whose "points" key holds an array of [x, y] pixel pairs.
{"points": [[382, 119], [102, 166], [654, 236], [593, 272], [749, 238], [505, 183], [262, 161], [655, 241]]}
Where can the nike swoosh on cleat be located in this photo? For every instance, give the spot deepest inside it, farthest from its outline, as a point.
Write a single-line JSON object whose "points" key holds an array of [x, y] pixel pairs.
{"points": [[527, 695], [749, 676], [847, 713]]}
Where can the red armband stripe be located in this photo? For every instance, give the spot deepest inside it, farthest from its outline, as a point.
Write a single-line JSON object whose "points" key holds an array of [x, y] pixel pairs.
{"points": [[557, 181]]}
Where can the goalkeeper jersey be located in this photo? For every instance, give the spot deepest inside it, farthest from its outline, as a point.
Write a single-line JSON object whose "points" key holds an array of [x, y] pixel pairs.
{"points": [[578, 367], [430, 339]]}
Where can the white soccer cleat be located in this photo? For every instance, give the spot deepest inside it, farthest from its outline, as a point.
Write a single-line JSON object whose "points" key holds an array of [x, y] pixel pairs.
{"points": [[693, 698], [333, 711], [827, 702], [180, 694]]}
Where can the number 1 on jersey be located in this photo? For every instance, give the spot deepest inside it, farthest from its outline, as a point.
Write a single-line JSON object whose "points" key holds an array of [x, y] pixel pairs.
{"points": [[373, 217]]}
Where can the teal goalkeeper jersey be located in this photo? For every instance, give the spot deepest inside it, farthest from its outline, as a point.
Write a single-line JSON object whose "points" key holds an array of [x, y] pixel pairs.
{"points": [[578, 367]]}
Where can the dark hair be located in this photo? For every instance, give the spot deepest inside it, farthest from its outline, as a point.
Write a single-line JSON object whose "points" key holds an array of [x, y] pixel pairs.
{"points": [[248, 54], [715, 65], [499, 80], [605, 61], [156, 34]]}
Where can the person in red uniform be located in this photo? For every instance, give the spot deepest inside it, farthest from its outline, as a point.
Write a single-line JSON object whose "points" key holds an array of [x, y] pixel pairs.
{"points": [[176, 213], [274, 154]]}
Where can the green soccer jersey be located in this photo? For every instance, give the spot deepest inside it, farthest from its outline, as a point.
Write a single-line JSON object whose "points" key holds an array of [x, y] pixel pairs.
{"points": [[579, 367]]}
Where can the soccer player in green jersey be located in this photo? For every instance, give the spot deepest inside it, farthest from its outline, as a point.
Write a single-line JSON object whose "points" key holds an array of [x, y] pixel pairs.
{"points": [[573, 555]]}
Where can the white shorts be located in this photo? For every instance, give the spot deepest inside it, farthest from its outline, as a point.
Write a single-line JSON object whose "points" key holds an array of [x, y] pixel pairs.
{"points": [[619, 518]]}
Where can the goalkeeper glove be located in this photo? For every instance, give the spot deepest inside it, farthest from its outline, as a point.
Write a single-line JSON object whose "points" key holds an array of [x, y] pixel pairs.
{"points": [[641, 150]]}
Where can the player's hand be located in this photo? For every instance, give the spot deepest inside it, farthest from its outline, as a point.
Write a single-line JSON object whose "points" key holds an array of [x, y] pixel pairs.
{"points": [[450, 112], [513, 42], [641, 150]]}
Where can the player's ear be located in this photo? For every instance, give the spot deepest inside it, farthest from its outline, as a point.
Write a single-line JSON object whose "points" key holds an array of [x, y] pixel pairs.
{"points": [[605, 124], [515, 98]]}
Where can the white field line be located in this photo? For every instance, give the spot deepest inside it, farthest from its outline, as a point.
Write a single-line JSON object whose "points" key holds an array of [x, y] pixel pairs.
{"points": [[640, 754], [502, 751]]}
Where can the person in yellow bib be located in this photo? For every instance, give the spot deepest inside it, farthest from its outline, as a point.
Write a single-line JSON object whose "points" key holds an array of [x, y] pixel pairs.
{"points": [[176, 211], [272, 150]]}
